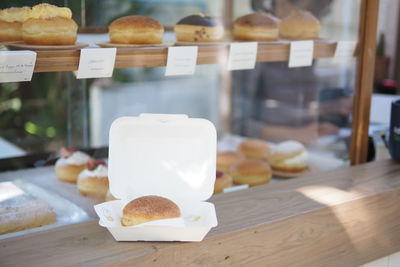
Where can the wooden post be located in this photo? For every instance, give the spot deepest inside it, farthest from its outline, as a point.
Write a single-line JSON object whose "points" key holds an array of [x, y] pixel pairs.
{"points": [[364, 80]]}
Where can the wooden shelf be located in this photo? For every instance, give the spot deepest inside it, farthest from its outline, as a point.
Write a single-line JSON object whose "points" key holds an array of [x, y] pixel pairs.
{"points": [[53, 61]]}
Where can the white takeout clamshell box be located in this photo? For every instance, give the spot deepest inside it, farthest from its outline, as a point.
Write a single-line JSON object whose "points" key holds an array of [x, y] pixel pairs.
{"points": [[171, 156]]}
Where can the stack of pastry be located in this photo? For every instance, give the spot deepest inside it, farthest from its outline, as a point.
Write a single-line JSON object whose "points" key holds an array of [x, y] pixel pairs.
{"points": [[289, 159], [71, 163], [11, 20], [93, 181], [45, 24]]}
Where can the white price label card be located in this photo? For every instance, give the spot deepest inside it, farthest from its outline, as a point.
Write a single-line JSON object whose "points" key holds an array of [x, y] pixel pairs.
{"points": [[181, 60], [235, 188], [242, 56], [16, 66], [96, 63], [344, 50], [301, 54]]}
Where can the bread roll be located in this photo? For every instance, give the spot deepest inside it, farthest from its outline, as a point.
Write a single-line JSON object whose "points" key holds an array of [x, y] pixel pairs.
{"points": [[149, 208], [49, 25], [11, 20], [254, 149], [52, 31], [251, 172], [199, 28], [136, 30], [299, 25], [256, 27]]}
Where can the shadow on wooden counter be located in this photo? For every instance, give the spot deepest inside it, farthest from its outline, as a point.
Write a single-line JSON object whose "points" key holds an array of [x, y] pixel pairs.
{"points": [[345, 217]]}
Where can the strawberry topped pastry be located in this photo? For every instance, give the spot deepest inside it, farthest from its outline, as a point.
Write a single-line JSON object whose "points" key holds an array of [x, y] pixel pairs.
{"points": [[223, 180], [70, 164], [93, 181]]}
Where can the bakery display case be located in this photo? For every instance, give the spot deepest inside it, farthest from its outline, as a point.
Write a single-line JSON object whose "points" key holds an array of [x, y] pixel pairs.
{"points": [[286, 83]]}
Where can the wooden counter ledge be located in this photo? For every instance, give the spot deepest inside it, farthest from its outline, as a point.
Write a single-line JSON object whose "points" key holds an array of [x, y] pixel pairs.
{"points": [[345, 217]]}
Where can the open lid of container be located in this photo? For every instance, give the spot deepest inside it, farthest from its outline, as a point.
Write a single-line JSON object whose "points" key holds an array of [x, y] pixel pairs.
{"points": [[166, 155]]}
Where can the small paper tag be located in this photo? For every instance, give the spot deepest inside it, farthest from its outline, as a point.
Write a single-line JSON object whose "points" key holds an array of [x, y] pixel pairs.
{"points": [[236, 188], [301, 53], [16, 66], [242, 56], [96, 63], [344, 50], [181, 60]]}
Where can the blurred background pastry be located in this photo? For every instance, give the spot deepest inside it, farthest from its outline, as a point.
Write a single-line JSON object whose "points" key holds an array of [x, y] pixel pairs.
{"points": [[70, 164], [49, 25], [225, 160], [258, 26], [149, 208], [289, 157], [251, 172], [136, 30], [254, 149], [299, 25], [199, 28], [93, 181], [223, 180], [20, 210], [11, 20]]}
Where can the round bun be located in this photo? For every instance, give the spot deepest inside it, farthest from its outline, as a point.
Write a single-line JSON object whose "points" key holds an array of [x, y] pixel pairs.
{"points": [[256, 27], [225, 160], [51, 31], [69, 173], [199, 28], [136, 30], [149, 208], [95, 187], [299, 25], [254, 149], [251, 172], [222, 181], [109, 196], [11, 20], [289, 156]]}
